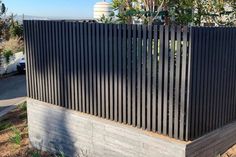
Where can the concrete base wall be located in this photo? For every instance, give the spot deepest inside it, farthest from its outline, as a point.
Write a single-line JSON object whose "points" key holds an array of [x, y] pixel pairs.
{"points": [[53, 128]]}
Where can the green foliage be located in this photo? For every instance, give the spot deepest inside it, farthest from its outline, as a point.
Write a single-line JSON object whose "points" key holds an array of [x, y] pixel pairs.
{"points": [[35, 154], [22, 106], [5, 125], [23, 116], [104, 19], [16, 138], [16, 30], [7, 54]]}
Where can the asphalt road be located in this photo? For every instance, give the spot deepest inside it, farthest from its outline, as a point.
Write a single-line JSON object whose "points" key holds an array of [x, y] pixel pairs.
{"points": [[12, 91]]}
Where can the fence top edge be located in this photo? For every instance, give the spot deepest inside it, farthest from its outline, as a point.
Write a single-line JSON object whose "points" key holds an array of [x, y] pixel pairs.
{"points": [[91, 21]]}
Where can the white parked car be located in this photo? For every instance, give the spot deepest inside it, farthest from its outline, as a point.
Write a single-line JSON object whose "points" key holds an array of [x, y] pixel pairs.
{"points": [[21, 65]]}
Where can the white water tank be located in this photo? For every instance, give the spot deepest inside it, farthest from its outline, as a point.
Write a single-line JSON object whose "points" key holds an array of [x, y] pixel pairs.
{"points": [[102, 8]]}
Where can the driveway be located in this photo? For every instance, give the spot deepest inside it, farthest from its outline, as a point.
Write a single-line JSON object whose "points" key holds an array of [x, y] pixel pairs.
{"points": [[12, 91]]}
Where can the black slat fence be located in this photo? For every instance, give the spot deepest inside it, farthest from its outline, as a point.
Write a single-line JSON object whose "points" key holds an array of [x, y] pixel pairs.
{"points": [[173, 80]]}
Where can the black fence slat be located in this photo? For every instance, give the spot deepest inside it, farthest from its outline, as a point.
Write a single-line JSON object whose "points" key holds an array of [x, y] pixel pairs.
{"points": [[119, 73], [71, 68], [111, 73], [106, 59], [115, 71], [124, 76], [98, 65], [183, 83], [144, 75], [102, 61], [149, 77], [94, 70], [154, 79], [139, 75], [134, 75], [129, 74], [171, 82], [177, 83], [90, 70], [160, 80], [166, 79]]}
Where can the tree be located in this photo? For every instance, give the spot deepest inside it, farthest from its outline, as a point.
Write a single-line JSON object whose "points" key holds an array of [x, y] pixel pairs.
{"points": [[184, 12]]}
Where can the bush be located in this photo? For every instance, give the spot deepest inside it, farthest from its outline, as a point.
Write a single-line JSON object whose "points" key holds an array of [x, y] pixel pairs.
{"points": [[7, 54], [13, 44]]}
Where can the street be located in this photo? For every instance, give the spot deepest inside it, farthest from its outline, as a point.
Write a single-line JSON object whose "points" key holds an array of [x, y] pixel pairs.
{"points": [[12, 91]]}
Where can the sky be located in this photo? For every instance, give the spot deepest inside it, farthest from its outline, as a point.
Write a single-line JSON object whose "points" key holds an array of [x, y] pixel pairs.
{"points": [[52, 8]]}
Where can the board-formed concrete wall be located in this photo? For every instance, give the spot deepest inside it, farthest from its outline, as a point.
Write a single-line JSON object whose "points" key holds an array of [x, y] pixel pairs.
{"points": [[56, 128]]}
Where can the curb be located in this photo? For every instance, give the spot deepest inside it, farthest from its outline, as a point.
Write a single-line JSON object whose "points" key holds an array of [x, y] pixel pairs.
{"points": [[12, 107], [8, 75]]}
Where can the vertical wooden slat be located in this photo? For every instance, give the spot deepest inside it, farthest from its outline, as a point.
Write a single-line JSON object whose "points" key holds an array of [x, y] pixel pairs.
{"points": [[172, 79], [124, 27], [75, 68], [106, 58], [90, 70], [38, 62], [165, 81], [68, 63], [111, 74], [129, 74], [78, 66], [33, 55], [94, 71], [98, 59], [213, 81], [183, 84], [41, 58], [116, 74], [71, 67], [46, 61], [103, 70], [189, 84], [139, 75], [25, 30], [120, 77], [82, 66], [154, 80], [86, 67], [56, 63], [144, 61], [177, 83], [27, 50], [52, 60], [134, 74], [61, 59], [49, 63], [160, 79], [149, 77]]}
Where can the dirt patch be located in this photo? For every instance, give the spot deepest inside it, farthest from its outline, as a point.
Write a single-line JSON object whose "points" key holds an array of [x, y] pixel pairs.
{"points": [[14, 140], [230, 153]]}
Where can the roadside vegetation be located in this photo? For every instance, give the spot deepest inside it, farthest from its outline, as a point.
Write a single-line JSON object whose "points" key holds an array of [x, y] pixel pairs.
{"points": [[14, 140], [11, 34]]}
